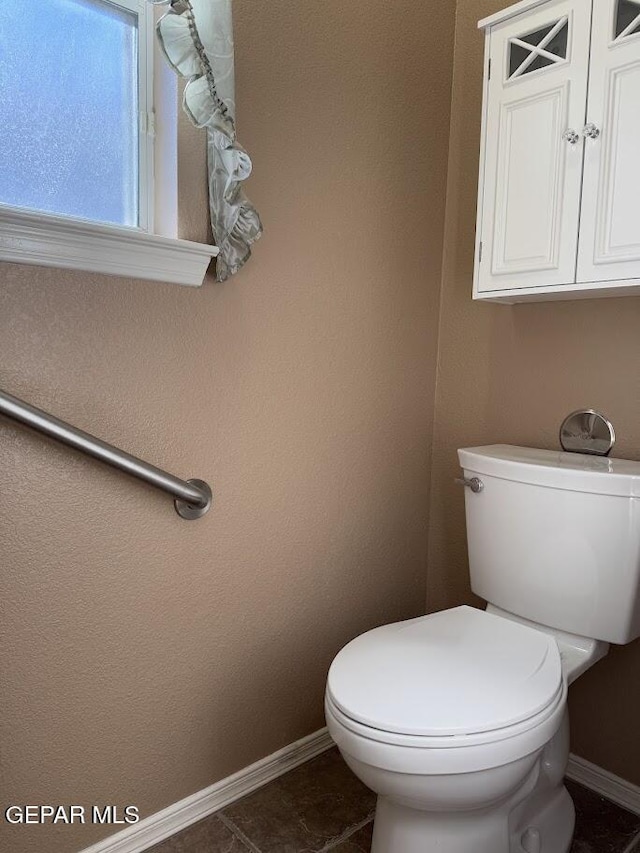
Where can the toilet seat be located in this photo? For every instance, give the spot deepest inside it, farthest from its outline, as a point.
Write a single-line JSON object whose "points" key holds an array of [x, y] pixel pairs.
{"points": [[512, 684], [394, 739], [462, 676], [445, 755]]}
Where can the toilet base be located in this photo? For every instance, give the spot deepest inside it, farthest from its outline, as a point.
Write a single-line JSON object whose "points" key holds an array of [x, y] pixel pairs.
{"points": [[541, 822]]}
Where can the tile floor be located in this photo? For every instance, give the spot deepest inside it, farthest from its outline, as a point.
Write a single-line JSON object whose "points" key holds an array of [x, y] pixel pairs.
{"points": [[321, 806]]}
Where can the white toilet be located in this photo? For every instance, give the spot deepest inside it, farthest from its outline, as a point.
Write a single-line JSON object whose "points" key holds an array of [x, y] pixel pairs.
{"points": [[458, 720]]}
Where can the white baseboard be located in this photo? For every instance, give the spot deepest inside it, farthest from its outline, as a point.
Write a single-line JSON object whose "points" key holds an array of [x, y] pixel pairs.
{"points": [[612, 787], [159, 826]]}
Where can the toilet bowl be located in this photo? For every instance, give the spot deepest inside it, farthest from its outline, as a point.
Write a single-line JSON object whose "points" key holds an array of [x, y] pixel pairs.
{"points": [[473, 700], [458, 720]]}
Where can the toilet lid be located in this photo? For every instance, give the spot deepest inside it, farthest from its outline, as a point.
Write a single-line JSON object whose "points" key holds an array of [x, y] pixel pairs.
{"points": [[460, 671]]}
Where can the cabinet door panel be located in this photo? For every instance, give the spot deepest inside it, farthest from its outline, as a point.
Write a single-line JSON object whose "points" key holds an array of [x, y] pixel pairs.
{"points": [[610, 230], [530, 175], [531, 198]]}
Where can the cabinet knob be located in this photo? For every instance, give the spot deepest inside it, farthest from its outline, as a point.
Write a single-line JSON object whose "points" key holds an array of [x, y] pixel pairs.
{"points": [[590, 131], [571, 136]]}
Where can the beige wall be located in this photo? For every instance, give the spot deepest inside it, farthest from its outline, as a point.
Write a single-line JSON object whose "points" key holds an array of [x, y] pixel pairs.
{"points": [[145, 657], [510, 374]]}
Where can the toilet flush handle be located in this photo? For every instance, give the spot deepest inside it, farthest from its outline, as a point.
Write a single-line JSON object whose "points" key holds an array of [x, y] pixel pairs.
{"points": [[474, 483]]}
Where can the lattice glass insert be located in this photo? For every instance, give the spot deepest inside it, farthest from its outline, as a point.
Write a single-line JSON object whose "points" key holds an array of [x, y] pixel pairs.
{"points": [[627, 20], [541, 48], [69, 109]]}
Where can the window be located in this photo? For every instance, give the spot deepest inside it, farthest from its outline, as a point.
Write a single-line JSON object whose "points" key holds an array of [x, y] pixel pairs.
{"points": [[75, 78], [627, 18], [538, 49], [88, 142]]}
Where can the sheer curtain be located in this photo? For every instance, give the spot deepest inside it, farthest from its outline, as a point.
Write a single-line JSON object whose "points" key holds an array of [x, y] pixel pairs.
{"points": [[197, 39]]}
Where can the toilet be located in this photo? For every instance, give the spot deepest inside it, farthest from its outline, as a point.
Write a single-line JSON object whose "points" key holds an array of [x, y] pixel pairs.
{"points": [[458, 720]]}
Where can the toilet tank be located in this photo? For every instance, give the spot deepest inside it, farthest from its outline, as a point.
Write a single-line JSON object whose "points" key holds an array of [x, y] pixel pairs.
{"points": [[554, 537]]}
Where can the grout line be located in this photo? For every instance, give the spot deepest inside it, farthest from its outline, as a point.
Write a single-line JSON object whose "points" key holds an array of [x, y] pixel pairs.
{"points": [[632, 844], [330, 845], [237, 832]]}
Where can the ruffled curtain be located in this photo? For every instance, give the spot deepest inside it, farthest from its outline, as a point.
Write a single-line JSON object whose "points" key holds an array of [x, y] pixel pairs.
{"points": [[197, 39]]}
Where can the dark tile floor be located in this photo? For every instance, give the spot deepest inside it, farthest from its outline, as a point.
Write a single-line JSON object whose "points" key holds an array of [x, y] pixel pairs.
{"points": [[321, 806]]}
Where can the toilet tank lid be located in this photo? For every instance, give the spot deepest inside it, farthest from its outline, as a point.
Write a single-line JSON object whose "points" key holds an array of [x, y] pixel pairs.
{"points": [[577, 472]]}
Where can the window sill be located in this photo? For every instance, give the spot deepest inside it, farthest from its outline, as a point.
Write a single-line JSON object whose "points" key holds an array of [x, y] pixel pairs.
{"points": [[55, 241]]}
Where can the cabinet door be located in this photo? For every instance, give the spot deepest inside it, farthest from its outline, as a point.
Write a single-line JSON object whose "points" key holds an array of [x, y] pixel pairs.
{"points": [[530, 194], [610, 227]]}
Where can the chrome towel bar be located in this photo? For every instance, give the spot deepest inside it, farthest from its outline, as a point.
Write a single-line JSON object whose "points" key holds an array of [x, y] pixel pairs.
{"points": [[192, 497]]}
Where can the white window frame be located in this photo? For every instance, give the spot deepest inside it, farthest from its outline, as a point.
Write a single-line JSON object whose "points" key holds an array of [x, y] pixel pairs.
{"points": [[151, 250], [146, 111]]}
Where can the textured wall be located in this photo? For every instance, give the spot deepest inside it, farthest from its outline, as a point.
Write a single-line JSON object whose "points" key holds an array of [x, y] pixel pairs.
{"points": [[145, 657], [510, 374]]}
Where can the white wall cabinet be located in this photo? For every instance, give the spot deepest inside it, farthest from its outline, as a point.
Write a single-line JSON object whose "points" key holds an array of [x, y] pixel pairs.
{"points": [[559, 190]]}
